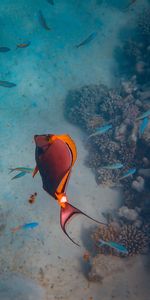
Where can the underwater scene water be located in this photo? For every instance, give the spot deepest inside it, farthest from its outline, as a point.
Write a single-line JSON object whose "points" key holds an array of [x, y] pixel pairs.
{"points": [[75, 141]]}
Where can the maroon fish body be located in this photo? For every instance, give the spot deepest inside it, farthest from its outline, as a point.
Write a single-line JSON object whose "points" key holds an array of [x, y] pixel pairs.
{"points": [[53, 161]]}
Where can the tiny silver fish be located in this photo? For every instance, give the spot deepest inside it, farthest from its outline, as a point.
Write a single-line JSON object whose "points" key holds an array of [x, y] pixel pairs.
{"points": [[7, 84]]}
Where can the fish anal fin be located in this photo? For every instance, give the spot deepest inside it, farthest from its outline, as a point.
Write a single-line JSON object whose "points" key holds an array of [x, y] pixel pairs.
{"points": [[63, 183]]}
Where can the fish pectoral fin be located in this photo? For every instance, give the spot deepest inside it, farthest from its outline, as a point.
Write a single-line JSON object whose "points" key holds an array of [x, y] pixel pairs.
{"points": [[36, 170], [66, 213]]}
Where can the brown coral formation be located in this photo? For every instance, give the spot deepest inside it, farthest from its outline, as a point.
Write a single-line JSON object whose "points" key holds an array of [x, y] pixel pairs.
{"points": [[94, 106], [107, 234], [135, 240]]}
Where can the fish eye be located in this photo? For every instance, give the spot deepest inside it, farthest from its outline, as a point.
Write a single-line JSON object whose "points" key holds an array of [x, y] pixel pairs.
{"points": [[47, 136]]}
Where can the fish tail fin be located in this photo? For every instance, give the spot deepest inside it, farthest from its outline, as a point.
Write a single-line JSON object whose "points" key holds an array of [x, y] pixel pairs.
{"points": [[14, 229], [66, 213]]}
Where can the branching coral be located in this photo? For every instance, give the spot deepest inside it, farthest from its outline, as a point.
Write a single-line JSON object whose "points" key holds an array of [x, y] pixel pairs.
{"points": [[107, 177]]}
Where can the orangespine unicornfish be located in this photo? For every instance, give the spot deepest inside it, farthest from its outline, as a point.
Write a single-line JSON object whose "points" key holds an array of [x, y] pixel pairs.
{"points": [[55, 156]]}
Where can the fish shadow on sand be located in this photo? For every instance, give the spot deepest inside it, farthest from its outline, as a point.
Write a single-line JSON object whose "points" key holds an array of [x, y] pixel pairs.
{"points": [[88, 244]]}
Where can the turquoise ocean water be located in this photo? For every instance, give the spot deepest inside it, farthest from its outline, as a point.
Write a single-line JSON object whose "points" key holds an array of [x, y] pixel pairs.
{"points": [[39, 55]]}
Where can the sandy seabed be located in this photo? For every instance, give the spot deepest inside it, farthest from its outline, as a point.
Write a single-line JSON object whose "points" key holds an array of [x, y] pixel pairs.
{"points": [[44, 73]]}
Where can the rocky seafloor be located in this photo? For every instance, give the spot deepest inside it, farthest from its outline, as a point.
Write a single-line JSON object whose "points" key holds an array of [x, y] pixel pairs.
{"points": [[126, 142]]}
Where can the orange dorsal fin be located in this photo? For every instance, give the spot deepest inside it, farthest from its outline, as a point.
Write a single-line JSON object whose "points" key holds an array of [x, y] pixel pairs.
{"points": [[68, 140], [36, 170]]}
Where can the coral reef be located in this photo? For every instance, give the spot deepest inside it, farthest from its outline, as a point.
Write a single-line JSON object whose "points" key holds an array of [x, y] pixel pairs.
{"points": [[128, 214], [103, 267], [133, 54], [81, 105], [143, 22], [135, 240], [138, 184], [94, 106]]}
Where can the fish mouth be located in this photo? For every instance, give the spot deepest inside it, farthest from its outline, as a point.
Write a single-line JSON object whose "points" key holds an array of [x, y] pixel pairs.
{"points": [[43, 136], [41, 140]]}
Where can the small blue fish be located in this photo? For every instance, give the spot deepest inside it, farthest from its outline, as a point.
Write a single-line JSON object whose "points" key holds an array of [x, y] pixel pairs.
{"points": [[143, 126], [7, 84], [19, 175], [22, 169], [101, 130], [128, 173], [114, 245], [4, 49], [144, 115], [87, 40], [113, 166], [25, 226]]}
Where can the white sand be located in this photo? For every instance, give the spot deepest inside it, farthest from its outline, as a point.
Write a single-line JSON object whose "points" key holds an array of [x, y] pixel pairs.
{"points": [[44, 73]]}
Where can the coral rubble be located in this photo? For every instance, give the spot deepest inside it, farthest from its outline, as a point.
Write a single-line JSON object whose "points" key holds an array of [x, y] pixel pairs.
{"points": [[104, 266]]}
